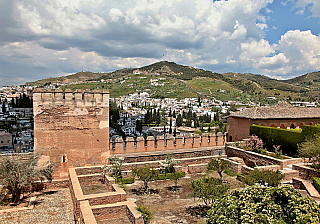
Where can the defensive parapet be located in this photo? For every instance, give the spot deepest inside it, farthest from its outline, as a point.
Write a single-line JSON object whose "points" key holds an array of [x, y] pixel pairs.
{"points": [[168, 143], [72, 128]]}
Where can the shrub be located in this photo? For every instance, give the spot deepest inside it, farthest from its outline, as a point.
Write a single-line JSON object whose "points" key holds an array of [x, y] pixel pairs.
{"points": [[264, 205], [264, 177], [181, 173], [240, 177], [311, 149], [146, 213], [161, 176], [229, 172], [254, 142], [316, 183]]}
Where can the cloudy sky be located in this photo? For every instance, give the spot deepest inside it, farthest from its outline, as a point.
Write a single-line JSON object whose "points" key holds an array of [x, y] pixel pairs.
{"points": [[50, 38]]}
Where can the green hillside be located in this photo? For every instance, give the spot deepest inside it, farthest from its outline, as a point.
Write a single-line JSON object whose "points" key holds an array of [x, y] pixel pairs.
{"points": [[174, 80]]}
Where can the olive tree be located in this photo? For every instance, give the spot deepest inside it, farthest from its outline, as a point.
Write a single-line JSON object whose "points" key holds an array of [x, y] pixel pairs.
{"points": [[19, 173], [168, 164], [175, 176], [146, 174], [207, 189], [219, 165], [311, 149]]}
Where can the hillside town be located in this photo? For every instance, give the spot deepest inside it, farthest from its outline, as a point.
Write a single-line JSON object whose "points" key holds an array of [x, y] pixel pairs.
{"points": [[16, 120]]}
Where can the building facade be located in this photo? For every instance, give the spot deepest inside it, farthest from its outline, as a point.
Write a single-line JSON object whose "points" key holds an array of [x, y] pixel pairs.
{"points": [[283, 115]]}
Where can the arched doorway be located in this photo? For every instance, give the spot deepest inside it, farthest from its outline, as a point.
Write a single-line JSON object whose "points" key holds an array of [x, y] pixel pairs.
{"points": [[283, 126], [292, 126]]}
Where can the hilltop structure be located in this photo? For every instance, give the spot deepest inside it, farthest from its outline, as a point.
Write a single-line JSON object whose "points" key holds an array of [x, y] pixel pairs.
{"points": [[282, 115], [71, 129]]}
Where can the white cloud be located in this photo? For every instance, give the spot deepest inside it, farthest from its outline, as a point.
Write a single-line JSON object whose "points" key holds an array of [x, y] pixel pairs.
{"points": [[276, 61], [52, 38], [115, 14], [313, 5], [253, 51]]}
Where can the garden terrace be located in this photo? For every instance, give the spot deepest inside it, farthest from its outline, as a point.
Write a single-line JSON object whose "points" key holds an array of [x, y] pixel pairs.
{"points": [[98, 207]]}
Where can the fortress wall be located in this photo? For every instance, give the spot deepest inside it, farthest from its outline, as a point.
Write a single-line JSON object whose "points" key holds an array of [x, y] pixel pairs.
{"points": [[171, 143], [71, 128]]}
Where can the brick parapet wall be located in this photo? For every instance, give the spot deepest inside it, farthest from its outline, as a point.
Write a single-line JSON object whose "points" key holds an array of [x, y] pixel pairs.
{"points": [[49, 98], [160, 144], [177, 154]]}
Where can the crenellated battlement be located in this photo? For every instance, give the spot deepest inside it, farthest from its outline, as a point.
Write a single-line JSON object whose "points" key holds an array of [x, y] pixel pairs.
{"points": [[71, 128], [130, 145], [79, 98]]}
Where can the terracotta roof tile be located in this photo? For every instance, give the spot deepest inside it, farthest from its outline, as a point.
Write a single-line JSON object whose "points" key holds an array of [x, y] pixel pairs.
{"points": [[282, 110]]}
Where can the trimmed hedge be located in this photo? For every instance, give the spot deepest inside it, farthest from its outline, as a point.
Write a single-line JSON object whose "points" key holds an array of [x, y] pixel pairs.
{"points": [[164, 176], [229, 172], [127, 180], [316, 183], [309, 130], [182, 172], [287, 138]]}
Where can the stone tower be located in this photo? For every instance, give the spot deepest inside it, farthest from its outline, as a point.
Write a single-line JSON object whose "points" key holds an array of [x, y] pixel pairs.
{"points": [[71, 129]]}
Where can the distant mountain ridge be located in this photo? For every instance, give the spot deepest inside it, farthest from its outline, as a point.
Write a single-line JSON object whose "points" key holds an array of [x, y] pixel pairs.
{"points": [[304, 87]]}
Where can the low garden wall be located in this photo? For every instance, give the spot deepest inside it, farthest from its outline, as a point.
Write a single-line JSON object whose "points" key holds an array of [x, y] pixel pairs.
{"points": [[255, 159], [306, 172], [176, 154], [86, 207]]}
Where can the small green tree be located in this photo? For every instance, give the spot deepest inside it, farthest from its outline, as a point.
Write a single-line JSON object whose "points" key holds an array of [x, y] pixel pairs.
{"points": [[19, 173], [114, 168], [311, 149], [264, 177], [175, 176], [219, 165], [146, 213], [168, 164], [207, 189], [146, 174]]}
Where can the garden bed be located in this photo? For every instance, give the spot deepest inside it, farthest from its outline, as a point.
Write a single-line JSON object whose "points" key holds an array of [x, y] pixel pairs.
{"points": [[96, 188], [170, 206]]}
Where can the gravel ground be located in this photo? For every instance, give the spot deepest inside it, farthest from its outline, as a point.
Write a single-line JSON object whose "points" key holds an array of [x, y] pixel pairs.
{"points": [[51, 207]]}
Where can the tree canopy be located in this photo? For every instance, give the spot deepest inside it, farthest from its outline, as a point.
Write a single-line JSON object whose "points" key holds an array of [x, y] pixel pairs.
{"points": [[219, 165], [18, 173], [264, 205]]}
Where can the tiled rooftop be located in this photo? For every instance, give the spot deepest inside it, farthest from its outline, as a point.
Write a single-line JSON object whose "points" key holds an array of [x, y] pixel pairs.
{"points": [[282, 110]]}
